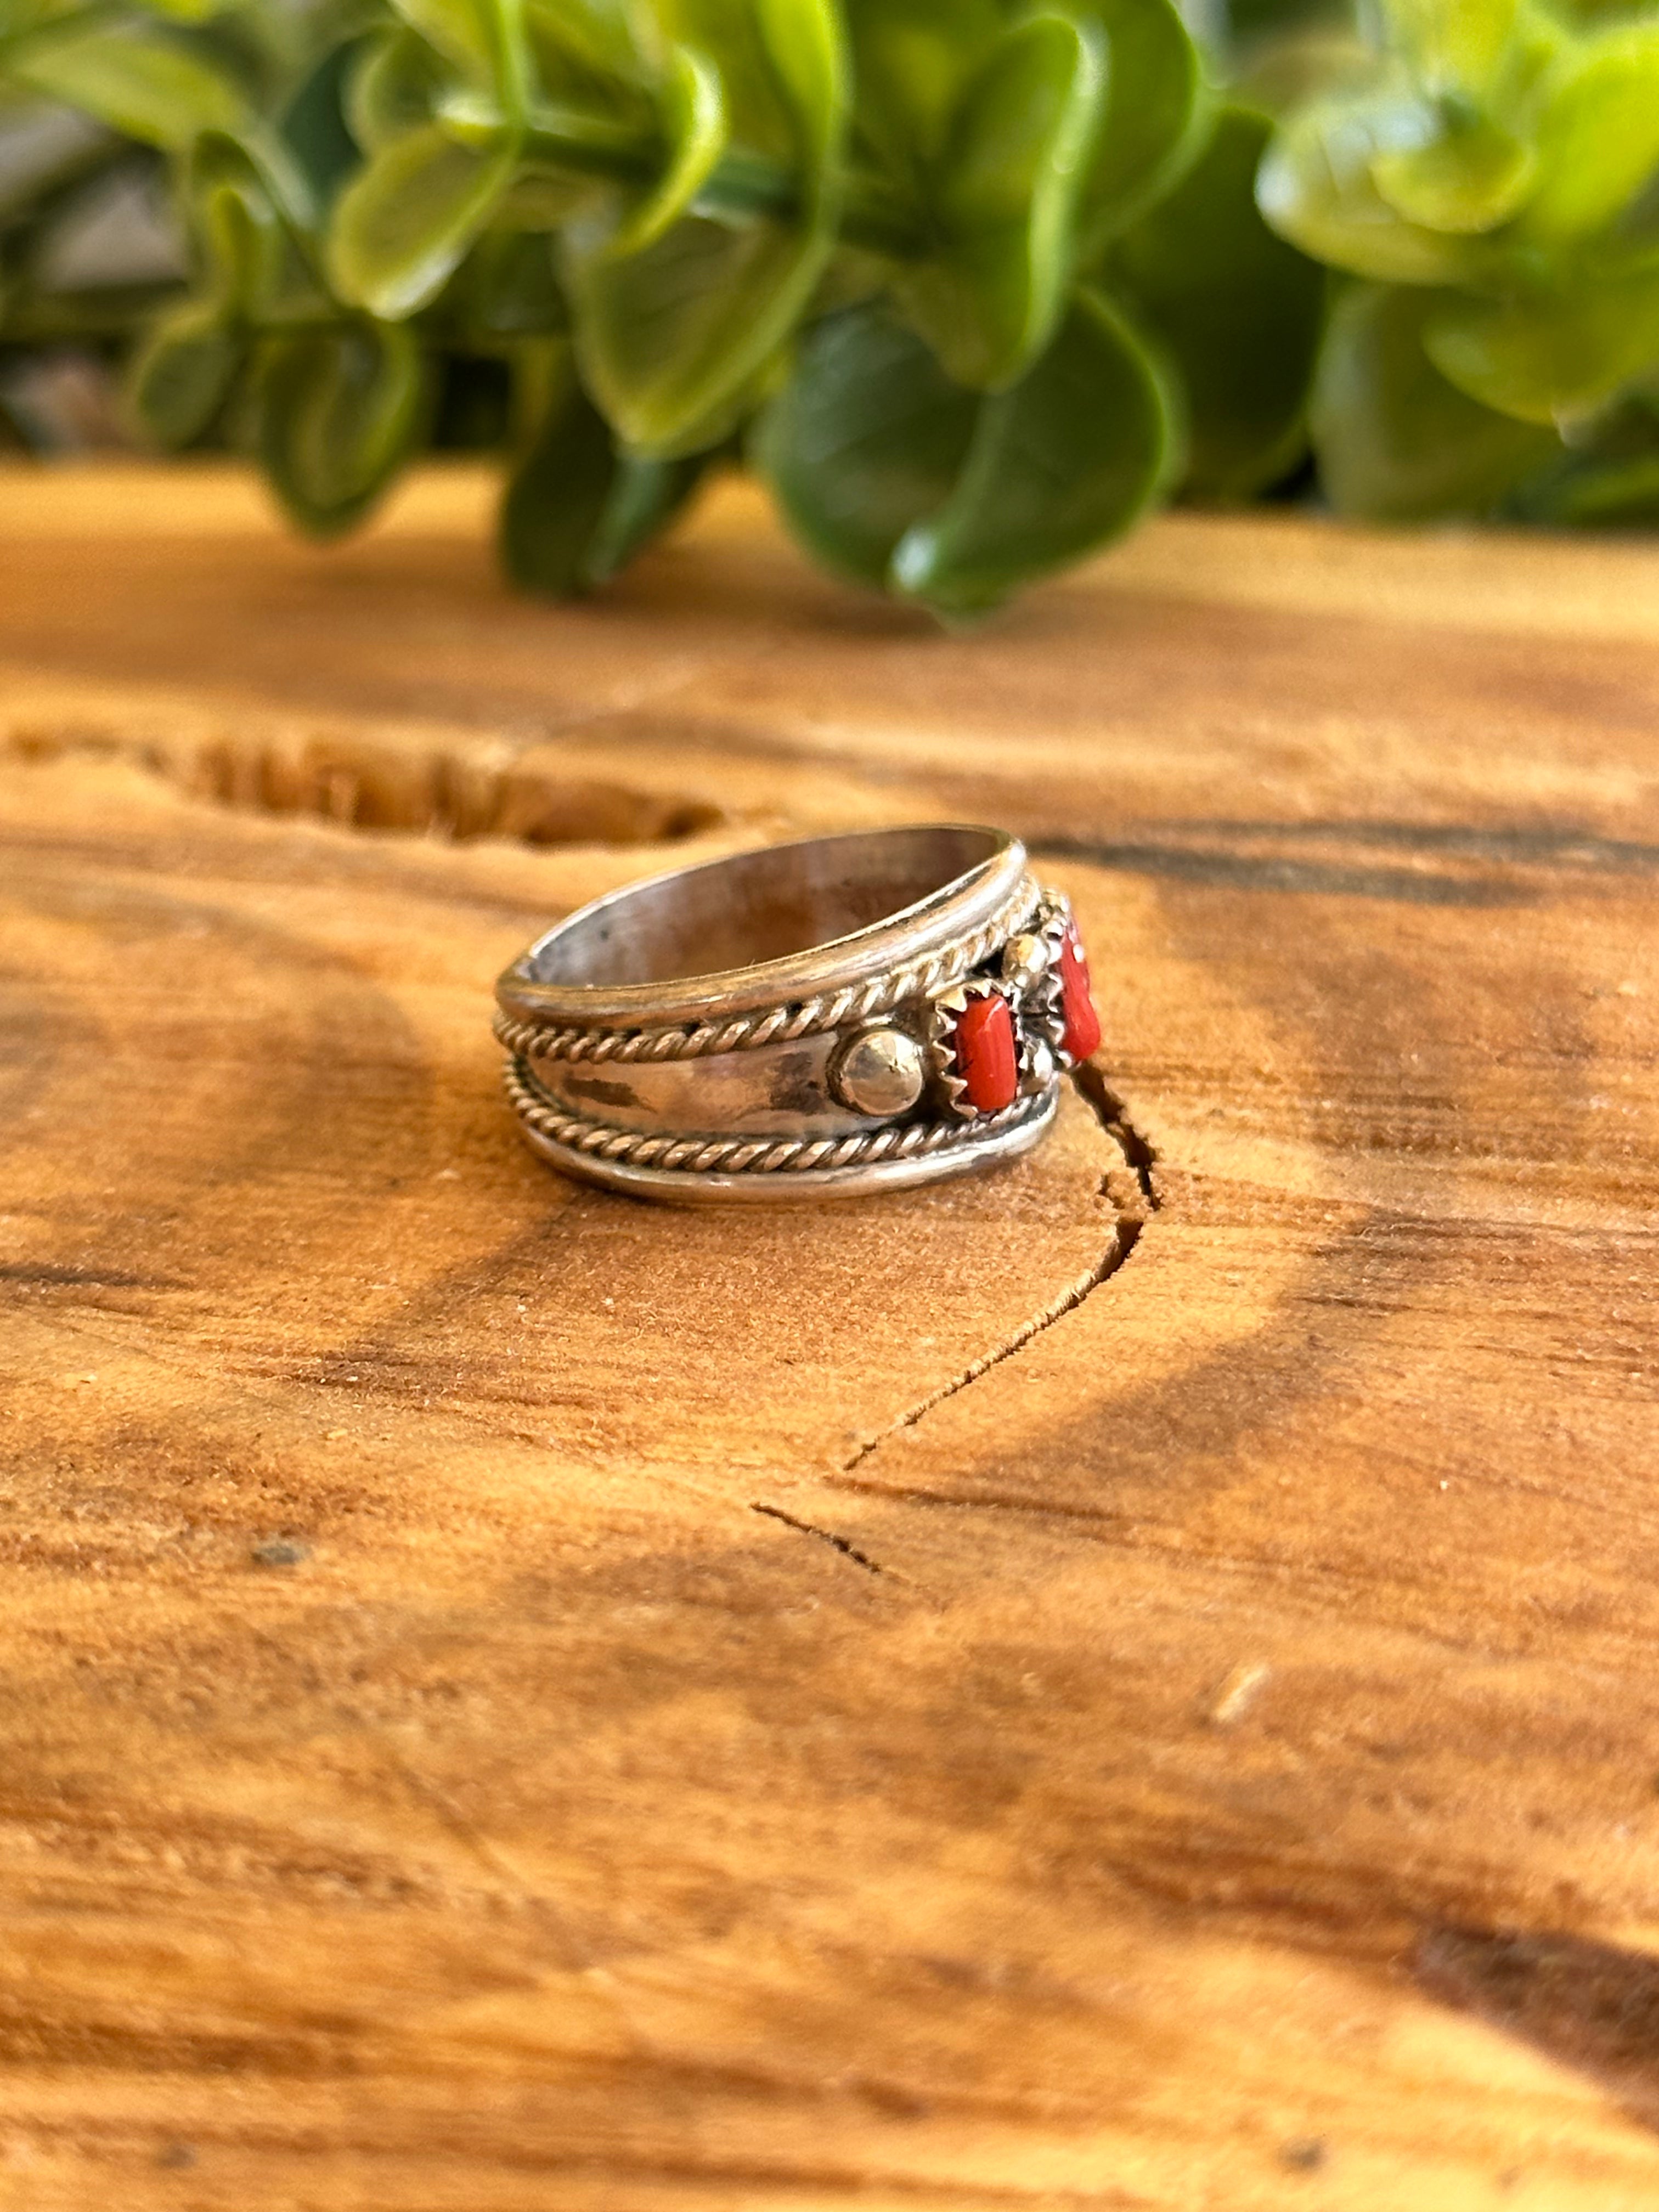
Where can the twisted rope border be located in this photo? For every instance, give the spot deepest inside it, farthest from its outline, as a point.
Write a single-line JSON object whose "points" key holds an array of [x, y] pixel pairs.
{"points": [[921, 978], [602, 1140]]}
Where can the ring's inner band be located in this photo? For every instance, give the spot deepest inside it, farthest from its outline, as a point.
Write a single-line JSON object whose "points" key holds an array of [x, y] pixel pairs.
{"points": [[760, 906]]}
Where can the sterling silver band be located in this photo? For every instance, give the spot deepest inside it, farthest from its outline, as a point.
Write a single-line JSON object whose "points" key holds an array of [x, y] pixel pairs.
{"points": [[825, 1018]]}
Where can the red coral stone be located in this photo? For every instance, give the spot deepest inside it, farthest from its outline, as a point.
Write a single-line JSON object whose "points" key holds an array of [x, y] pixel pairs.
{"points": [[985, 1060], [1082, 1023]]}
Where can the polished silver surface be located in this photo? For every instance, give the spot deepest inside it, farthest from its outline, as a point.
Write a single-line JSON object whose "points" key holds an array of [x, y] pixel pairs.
{"points": [[878, 1071], [779, 1024]]}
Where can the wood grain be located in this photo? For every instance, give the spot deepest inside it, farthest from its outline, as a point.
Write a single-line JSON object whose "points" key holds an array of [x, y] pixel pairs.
{"points": [[1125, 1684]]}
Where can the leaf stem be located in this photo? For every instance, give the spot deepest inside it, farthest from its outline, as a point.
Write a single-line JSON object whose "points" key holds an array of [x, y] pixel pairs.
{"points": [[744, 184], [105, 313]]}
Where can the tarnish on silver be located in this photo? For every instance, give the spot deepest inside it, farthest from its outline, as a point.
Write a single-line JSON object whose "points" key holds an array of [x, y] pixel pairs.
{"points": [[780, 1023], [893, 1159]]}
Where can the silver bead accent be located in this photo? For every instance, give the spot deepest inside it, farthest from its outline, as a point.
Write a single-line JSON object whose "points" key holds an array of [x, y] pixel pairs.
{"points": [[1024, 959], [879, 1072]]}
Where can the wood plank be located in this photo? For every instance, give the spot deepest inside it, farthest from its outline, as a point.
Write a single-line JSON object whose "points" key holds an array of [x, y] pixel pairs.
{"points": [[1126, 1683]]}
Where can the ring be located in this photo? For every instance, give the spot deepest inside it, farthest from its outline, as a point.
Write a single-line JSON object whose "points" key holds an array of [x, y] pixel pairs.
{"points": [[821, 1019]]}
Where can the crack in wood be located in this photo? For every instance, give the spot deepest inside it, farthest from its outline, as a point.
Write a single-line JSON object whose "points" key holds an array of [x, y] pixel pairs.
{"points": [[1141, 1156], [841, 1544], [1113, 1115], [455, 785]]}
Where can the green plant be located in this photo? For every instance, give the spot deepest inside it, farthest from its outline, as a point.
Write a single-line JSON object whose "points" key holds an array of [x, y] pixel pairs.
{"points": [[972, 284], [1489, 173], [895, 250]]}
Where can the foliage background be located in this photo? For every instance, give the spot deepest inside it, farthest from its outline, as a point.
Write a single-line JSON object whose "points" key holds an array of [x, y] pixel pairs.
{"points": [[971, 284]]}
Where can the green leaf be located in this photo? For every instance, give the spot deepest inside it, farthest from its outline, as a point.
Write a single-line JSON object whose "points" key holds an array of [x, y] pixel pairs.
{"points": [[891, 473], [392, 90], [1238, 310], [644, 500], [243, 245], [806, 50], [1452, 46], [1616, 496], [1317, 188], [698, 128], [1062, 463], [911, 59], [340, 411], [508, 288], [313, 122], [149, 84], [482, 38], [674, 340], [241, 237], [1470, 177], [1156, 120], [540, 197], [867, 438], [182, 375], [1608, 477], [576, 510], [1598, 142], [1003, 202], [1397, 443], [555, 498], [782, 67], [1611, 483], [1546, 357], [403, 224], [598, 38]]}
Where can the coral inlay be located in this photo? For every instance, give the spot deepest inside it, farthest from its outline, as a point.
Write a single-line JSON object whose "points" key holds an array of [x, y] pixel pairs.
{"points": [[985, 1055], [1082, 1022]]}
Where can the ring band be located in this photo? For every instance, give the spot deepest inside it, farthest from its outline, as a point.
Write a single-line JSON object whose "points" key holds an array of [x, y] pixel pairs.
{"points": [[825, 1018]]}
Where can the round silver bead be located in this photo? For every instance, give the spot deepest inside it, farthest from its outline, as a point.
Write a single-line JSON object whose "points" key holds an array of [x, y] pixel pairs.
{"points": [[1023, 960], [879, 1072]]}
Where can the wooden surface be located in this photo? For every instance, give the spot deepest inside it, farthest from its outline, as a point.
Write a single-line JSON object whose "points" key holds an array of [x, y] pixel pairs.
{"points": [[1130, 1684]]}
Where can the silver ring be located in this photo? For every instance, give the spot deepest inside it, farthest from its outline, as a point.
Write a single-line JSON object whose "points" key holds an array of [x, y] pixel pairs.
{"points": [[821, 1019]]}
